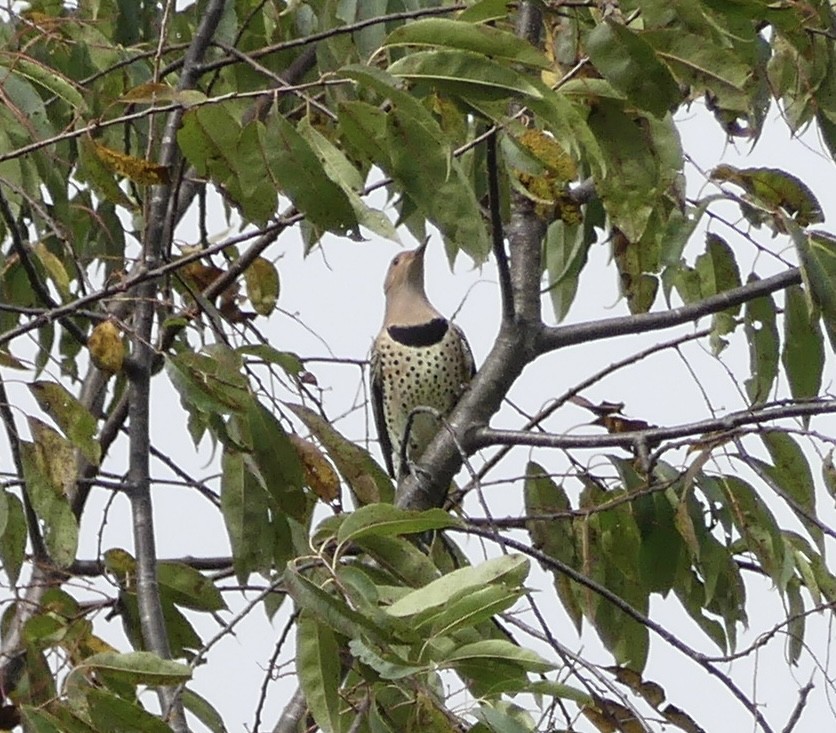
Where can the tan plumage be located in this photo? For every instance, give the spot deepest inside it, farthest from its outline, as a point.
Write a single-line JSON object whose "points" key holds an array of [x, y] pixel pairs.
{"points": [[418, 359]]}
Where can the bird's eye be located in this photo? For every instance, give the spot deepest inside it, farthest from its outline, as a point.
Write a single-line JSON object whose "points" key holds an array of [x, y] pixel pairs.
{"points": [[396, 260]]}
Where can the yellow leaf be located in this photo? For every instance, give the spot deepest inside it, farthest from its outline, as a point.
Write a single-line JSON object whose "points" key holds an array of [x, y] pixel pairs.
{"points": [[138, 170], [106, 348]]}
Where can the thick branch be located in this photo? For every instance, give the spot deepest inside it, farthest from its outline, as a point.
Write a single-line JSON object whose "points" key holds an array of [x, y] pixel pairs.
{"points": [[556, 337], [483, 437]]}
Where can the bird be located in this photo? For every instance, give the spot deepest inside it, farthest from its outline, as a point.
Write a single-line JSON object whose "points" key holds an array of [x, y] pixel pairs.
{"points": [[419, 359]]}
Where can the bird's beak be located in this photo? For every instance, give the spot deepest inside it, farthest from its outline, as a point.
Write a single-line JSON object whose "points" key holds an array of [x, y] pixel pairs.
{"points": [[419, 252]]}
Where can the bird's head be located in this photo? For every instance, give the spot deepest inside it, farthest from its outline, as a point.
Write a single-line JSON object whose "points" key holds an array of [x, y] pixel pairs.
{"points": [[406, 271]]}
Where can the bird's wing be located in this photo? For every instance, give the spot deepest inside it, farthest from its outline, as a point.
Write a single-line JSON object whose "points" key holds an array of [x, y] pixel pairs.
{"points": [[377, 412], [469, 361]]}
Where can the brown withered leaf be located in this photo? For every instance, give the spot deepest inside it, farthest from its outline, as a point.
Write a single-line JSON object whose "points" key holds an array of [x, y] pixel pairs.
{"points": [[138, 170], [681, 719], [106, 347], [616, 424], [319, 473], [650, 691], [602, 408]]}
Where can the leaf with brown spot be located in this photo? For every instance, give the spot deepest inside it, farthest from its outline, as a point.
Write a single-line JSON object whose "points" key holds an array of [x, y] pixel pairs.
{"points": [[138, 170], [320, 475], [263, 285]]}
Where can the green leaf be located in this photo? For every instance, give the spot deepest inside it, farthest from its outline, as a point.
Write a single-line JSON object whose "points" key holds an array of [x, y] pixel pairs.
{"points": [[791, 477], [203, 711], [210, 382], [803, 354], [630, 64], [245, 511], [45, 76], [757, 526], [507, 570], [318, 666], [422, 163], [498, 650], [718, 272], [775, 190], [276, 459], [262, 279], [818, 266], [481, 39], [13, 537], [468, 74], [471, 610], [796, 619], [368, 481], [703, 66], [629, 187], [296, 171], [401, 558], [385, 520], [327, 608], [50, 504], [762, 334], [138, 668], [566, 249], [72, 417], [188, 587], [555, 537], [111, 713]]}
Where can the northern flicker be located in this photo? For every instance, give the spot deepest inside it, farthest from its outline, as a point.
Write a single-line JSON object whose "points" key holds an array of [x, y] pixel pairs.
{"points": [[419, 359]]}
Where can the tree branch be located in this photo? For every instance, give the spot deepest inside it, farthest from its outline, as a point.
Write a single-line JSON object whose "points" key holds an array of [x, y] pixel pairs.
{"points": [[139, 369], [556, 337], [497, 233], [483, 437]]}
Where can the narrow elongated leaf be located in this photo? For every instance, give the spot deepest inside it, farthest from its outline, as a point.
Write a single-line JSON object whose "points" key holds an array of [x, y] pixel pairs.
{"points": [[13, 537], [327, 608], [277, 460], [791, 477], [244, 506], [630, 64], [297, 172], [109, 712], [139, 668], [385, 520], [762, 334], [803, 353], [499, 650], [318, 667], [421, 161], [462, 72], [508, 570], [480, 39], [818, 265], [203, 711]]}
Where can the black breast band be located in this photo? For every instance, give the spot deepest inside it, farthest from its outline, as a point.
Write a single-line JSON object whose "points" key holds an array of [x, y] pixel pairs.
{"points": [[425, 334]]}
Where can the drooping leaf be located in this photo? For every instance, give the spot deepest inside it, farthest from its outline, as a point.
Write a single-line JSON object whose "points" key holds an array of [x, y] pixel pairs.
{"points": [[368, 481], [139, 668], [762, 334], [72, 417], [318, 667], [803, 352], [775, 190], [630, 64], [262, 279]]}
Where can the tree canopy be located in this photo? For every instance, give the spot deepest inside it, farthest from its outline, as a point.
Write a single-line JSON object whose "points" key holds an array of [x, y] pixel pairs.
{"points": [[157, 159]]}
